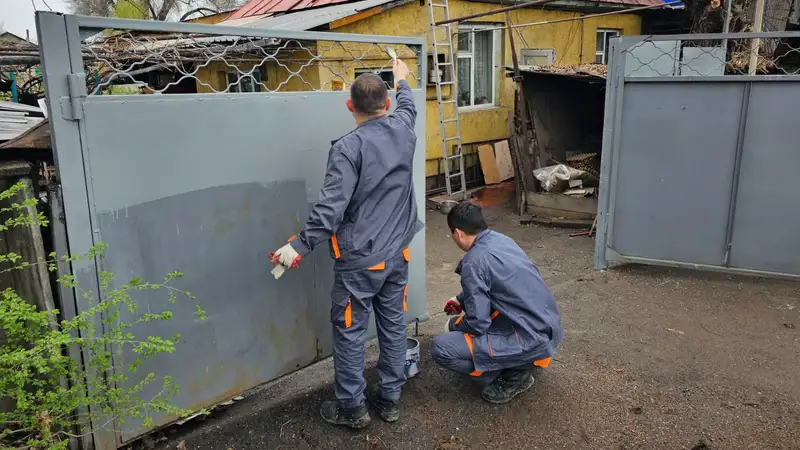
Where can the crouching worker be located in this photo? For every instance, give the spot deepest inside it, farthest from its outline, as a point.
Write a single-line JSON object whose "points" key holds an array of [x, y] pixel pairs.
{"points": [[510, 322]]}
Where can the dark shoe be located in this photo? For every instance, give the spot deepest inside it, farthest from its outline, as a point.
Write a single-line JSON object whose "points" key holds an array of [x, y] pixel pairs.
{"points": [[355, 418], [388, 410], [507, 386]]}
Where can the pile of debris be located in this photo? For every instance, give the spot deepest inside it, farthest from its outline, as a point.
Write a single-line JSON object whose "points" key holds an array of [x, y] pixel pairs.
{"points": [[579, 177], [589, 69]]}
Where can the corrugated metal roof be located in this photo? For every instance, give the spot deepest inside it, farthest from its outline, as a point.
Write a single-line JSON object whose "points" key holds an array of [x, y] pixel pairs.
{"points": [[259, 7], [634, 3], [16, 119], [308, 19]]}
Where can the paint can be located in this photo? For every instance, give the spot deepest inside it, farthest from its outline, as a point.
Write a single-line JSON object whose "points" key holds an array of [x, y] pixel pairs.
{"points": [[412, 358]]}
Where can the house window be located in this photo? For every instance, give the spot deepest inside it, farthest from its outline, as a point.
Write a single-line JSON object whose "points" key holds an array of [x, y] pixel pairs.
{"points": [[244, 82], [537, 56], [603, 45], [476, 65], [386, 75]]}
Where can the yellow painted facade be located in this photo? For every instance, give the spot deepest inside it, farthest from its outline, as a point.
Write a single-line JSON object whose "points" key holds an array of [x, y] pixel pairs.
{"points": [[334, 66], [213, 19], [573, 42]]}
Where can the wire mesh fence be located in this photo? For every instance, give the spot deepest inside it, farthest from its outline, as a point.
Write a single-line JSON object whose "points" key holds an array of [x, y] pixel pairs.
{"points": [[137, 62], [714, 55]]}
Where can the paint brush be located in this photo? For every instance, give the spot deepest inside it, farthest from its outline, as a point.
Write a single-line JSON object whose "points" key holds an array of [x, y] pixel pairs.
{"points": [[391, 52]]}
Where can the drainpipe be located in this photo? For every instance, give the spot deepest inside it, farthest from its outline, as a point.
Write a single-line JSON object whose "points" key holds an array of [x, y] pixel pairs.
{"points": [[14, 91]]}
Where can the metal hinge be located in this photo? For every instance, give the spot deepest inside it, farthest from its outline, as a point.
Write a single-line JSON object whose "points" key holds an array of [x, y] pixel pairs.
{"points": [[72, 106]]}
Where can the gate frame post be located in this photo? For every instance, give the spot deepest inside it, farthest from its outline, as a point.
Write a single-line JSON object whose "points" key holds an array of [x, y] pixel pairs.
{"points": [[612, 118], [60, 50]]}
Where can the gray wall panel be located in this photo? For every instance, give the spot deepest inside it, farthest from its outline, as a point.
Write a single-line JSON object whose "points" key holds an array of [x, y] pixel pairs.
{"points": [[675, 166], [768, 208], [208, 185]]}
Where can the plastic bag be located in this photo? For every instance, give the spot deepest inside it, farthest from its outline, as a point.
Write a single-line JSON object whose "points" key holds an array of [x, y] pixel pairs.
{"points": [[556, 178]]}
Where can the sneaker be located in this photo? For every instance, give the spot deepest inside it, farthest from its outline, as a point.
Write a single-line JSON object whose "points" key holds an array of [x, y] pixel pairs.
{"points": [[389, 410], [507, 386], [355, 418]]}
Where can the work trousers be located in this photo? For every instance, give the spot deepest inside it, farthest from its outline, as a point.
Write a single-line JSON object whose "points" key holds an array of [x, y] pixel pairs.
{"points": [[381, 288], [451, 351]]}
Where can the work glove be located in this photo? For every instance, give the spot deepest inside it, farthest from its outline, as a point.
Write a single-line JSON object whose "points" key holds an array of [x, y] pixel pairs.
{"points": [[284, 258], [452, 307]]}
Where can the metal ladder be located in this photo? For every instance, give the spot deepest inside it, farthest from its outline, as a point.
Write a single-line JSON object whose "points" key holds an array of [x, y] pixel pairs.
{"points": [[441, 71]]}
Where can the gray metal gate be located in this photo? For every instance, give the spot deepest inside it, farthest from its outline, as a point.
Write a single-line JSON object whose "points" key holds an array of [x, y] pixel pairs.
{"points": [[208, 183], [699, 157]]}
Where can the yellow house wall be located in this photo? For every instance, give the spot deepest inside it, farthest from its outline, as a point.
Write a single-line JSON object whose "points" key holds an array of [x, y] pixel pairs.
{"points": [[275, 76], [212, 19], [573, 42], [338, 62]]}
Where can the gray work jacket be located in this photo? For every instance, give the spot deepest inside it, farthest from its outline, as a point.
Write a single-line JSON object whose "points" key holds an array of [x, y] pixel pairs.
{"points": [[510, 316], [366, 207]]}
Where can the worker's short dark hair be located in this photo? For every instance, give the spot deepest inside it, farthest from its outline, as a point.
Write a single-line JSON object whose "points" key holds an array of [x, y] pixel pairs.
{"points": [[467, 217], [369, 94]]}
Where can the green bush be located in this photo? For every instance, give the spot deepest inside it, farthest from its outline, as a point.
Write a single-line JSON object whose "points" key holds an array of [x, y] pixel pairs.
{"points": [[55, 397]]}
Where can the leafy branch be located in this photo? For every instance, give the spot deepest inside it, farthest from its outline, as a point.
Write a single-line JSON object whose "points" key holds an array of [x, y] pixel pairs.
{"points": [[55, 397]]}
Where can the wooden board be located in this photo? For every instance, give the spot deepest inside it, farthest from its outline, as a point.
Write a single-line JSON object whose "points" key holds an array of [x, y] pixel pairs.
{"points": [[560, 223], [502, 154], [557, 205], [488, 164]]}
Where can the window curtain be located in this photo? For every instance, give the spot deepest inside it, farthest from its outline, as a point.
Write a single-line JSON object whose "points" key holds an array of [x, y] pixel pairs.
{"points": [[483, 67]]}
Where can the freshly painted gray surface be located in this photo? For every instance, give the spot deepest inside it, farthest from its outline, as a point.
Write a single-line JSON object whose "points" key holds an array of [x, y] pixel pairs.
{"points": [[207, 185], [675, 175], [215, 184], [768, 208], [696, 171]]}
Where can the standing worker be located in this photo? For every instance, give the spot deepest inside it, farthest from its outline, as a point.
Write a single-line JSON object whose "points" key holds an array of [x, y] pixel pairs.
{"points": [[367, 212], [510, 322]]}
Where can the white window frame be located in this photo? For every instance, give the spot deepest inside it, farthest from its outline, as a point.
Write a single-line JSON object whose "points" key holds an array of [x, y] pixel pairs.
{"points": [[471, 55], [604, 53], [377, 72], [258, 80], [536, 52]]}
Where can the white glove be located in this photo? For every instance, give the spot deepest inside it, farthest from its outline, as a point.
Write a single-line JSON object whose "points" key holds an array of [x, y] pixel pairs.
{"points": [[287, 257]]}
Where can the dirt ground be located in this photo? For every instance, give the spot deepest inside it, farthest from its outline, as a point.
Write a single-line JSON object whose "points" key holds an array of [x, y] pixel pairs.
{"points": [[653, 358]]}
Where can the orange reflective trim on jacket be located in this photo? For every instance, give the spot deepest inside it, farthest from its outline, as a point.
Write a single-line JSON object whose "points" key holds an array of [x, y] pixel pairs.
{"points": [[468, 338], [335, 246], [543, 363], [379, 266]]}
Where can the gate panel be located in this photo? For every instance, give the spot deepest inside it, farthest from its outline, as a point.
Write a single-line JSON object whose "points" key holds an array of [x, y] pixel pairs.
{"points": [[185, 195], [767, 215], [209, 183], [681, 168], [698, 163]]}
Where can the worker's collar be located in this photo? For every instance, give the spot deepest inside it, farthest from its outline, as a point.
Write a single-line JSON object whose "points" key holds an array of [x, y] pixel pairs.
{"points": [[480, 236], [371, 120]]}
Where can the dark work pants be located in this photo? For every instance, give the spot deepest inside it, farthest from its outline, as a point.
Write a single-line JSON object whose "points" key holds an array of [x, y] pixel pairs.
{"points": [[354, 296], [451, 351]]}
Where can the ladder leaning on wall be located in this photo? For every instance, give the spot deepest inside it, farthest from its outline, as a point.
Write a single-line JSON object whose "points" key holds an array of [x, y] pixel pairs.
{"points": [[444, 74]]}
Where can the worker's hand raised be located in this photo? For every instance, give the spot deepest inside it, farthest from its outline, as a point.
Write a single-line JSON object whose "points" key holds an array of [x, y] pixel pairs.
{"points": [[399, 69], [452, 307]]}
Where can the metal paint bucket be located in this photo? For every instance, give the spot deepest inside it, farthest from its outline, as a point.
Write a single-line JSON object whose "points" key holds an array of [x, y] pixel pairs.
{"points": [[412, 358]]}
